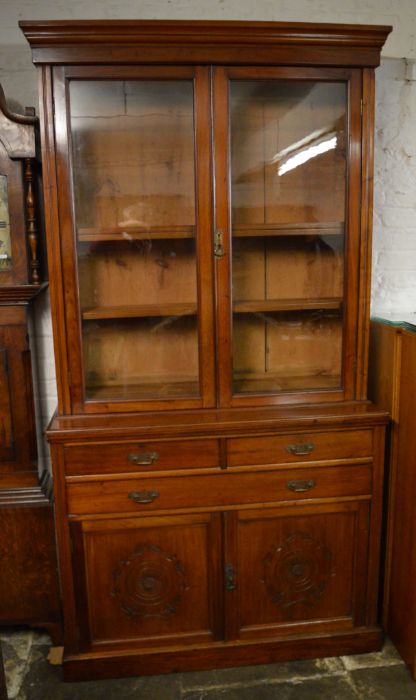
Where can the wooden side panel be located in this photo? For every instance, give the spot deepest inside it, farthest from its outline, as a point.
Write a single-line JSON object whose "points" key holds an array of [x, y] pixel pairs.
{"points": [[150, 582], [300, 570], [401, 621], [50, 195], [5, 406], [384, 366], [367, 175], [384, 388]]}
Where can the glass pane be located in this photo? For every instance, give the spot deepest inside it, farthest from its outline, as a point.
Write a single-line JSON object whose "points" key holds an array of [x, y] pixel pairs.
{"points": [[5, 241], [288, 179], [134, 188]]}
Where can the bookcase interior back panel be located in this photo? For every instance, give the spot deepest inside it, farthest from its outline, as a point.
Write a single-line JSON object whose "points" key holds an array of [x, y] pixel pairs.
{"points": [[145, 357], [287, 351], [278, 268], [133, 153], [140, 272]]}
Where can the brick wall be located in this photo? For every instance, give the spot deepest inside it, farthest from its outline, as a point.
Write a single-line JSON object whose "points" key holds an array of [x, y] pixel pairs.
{"points": [[394, 258], [394, 242]]}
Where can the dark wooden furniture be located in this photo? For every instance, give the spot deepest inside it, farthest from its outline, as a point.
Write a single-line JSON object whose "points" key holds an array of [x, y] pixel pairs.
{"points": [[218, 468], [392, 382], [28, 579]]}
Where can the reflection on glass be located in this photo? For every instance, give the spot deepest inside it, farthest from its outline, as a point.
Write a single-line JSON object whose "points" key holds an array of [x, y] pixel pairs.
{"points": [[291, 158], [133, 165], [288, 175], [5, 241]]}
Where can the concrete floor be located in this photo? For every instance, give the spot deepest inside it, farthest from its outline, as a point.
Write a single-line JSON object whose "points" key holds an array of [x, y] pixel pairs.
{"points": [[381, 676]]}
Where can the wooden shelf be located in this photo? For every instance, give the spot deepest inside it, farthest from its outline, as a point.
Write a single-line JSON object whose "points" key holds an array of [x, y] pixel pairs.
{"points": [[332, 228], [268, 383], [140, 311], [128, 233], [164, 387], [244, 307], [240, 307]]}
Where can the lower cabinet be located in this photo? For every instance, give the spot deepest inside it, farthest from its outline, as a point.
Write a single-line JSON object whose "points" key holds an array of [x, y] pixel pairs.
{"points": [[168, 580], [267, 549]]}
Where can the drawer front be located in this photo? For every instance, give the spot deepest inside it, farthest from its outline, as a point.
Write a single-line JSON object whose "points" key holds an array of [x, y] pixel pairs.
{"points": [[107, 458], [280, 449], [217, 490]]}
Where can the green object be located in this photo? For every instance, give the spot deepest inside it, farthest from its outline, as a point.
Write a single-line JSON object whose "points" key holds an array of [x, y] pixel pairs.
{"points": [[407, 321]]}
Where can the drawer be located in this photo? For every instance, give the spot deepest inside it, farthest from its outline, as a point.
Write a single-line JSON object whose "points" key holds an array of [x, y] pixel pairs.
{"points": [[106, 458], [304, 447], [217, 490]]}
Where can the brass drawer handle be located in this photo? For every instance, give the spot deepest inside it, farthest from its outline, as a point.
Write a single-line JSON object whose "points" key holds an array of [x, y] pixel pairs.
{"points": [[304, 448], [143, 458], [301, 485], [144, 496]]}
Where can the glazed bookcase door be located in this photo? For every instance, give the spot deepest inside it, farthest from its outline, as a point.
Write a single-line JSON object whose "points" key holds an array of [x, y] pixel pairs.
{"points": [[303, 570], [286, 142], [137, 219]]}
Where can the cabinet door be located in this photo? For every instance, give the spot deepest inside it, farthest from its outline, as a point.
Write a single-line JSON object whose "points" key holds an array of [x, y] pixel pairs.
{"points": [[150, 581], [137, 235], [17, 427], [294, 570], [288, 144]]}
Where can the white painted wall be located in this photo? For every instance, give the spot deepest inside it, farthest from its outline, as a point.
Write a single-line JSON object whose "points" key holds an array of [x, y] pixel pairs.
{"points": [[394, 257]]}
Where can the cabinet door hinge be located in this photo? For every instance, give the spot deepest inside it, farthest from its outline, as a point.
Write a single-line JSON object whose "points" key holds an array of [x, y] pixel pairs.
{"points": [[230, 584]]}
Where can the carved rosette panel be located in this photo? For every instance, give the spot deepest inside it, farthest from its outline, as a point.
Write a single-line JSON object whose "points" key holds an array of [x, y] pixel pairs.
{"points": [[297, 571], [150, 583]]}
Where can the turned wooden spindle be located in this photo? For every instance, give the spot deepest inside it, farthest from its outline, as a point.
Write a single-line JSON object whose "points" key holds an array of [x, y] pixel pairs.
{"points": [[32, 234]]}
